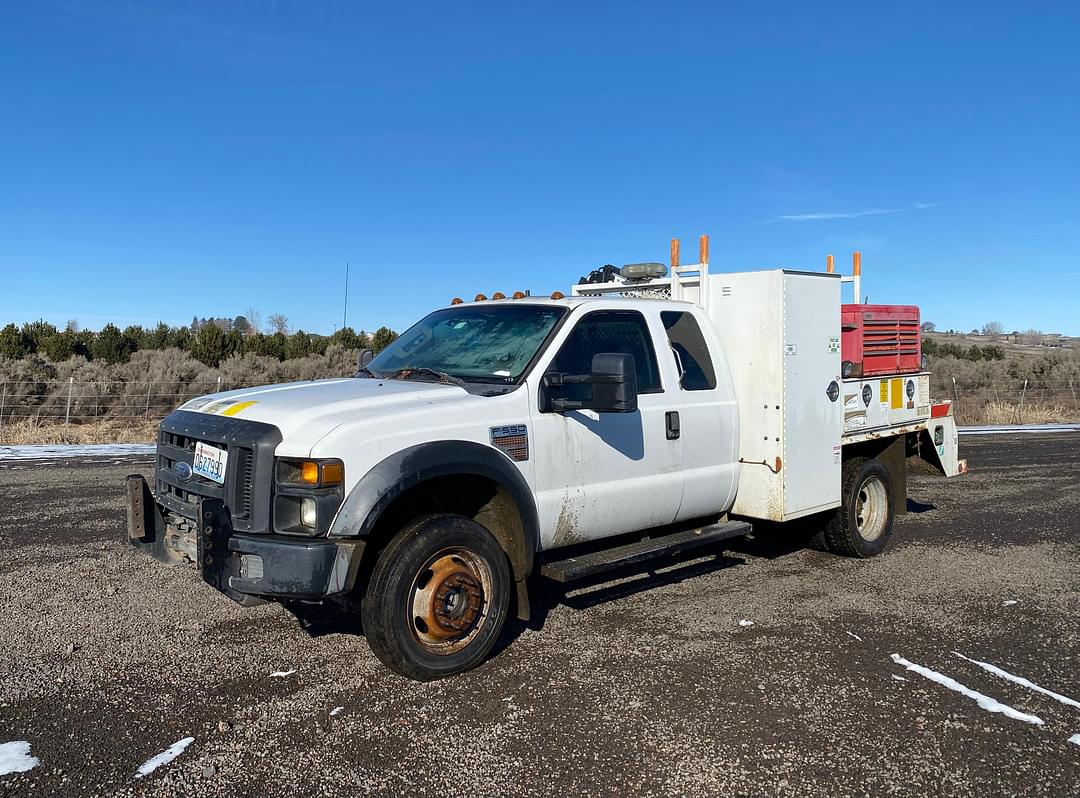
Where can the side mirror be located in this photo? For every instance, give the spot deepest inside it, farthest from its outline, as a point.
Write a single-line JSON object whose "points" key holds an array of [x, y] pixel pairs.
{"points": [[613, 382], [365, 357]]}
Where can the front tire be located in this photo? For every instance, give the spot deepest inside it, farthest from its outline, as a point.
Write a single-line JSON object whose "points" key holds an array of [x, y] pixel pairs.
{"points": [[437, 598], [862, 525]]}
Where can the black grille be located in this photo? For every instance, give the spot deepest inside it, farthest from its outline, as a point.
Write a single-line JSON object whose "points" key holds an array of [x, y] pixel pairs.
{"points": [[251, 452]]}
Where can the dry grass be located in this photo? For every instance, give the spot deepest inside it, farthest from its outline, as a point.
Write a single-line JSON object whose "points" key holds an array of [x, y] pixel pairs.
{"points": [[998, 412], [31, 431]]}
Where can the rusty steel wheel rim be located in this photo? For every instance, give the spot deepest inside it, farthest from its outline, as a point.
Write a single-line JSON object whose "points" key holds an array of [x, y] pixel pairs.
{"points": [[871, 509], [448, 600]]}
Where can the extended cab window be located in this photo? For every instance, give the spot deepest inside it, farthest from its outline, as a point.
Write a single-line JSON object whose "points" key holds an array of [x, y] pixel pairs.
{"points": [[474, 343], [692, 355], [623, 332]]}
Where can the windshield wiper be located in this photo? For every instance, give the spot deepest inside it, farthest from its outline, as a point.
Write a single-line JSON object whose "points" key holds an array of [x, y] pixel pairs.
{"points": [[369, 372], [409, 372]]}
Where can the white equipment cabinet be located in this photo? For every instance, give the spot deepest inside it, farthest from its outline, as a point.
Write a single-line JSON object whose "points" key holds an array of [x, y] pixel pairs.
{"points": [[780, 330]]}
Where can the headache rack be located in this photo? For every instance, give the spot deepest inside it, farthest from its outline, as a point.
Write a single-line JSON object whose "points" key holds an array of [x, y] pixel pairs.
{"points": [[684, 281]]}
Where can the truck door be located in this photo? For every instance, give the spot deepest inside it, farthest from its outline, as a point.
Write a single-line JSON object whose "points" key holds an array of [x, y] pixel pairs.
{"points": [[601, 474], [709, 416]]}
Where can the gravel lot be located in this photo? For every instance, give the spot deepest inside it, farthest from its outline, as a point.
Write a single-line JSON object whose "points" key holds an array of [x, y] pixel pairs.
{"points": [[644, 686]]}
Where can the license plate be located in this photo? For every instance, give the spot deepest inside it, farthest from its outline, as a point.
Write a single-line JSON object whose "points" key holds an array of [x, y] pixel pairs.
{"points": [[210, 462]]}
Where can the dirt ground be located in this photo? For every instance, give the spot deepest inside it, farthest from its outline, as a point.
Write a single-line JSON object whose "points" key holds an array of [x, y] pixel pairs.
{"points": [[646, 685]]}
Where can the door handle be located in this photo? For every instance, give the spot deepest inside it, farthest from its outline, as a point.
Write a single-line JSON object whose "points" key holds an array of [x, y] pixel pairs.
{"points": [[671, 425]]}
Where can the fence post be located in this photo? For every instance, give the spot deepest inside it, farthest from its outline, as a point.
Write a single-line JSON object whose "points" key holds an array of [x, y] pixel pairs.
{"points": [[1020, 412], [955, 395], [146, 412], [67, 413], [3, 398], [1076, 405], [219, 384]]}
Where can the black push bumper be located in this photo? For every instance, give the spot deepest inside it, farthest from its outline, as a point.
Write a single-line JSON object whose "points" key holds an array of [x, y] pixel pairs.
{"points": [[243, 566]]}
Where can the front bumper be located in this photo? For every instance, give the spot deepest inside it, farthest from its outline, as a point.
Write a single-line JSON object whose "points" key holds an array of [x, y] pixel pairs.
{"points": [[243, 566]]}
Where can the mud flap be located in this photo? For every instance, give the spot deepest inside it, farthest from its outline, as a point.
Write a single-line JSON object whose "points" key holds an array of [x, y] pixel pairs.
{"points": [[938, 445]]}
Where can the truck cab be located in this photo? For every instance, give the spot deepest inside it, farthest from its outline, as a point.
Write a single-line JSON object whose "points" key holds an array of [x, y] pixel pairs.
{"points": [[503, 439]]}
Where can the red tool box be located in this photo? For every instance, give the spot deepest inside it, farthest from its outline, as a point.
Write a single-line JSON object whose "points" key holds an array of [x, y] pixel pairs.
{"points": [[880, 339]]}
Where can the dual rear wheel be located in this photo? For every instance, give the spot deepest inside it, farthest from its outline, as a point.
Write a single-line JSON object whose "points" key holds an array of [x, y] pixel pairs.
{"points": [[862, 525]]}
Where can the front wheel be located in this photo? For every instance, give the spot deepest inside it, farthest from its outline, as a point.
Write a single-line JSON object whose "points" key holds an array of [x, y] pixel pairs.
{"points": [[437, 598], [862, 525]]}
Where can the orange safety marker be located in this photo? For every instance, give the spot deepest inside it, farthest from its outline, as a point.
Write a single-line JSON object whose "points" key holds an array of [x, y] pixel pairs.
{"points": [[703, 249], [674, 254]]}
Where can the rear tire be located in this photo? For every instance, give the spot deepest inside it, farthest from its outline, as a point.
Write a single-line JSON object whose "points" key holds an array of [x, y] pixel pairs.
{"points": [[437, 598], [862, 525]]}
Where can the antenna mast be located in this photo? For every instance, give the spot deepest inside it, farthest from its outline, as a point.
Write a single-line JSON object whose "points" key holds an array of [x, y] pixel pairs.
{"points": [[345, 312]]}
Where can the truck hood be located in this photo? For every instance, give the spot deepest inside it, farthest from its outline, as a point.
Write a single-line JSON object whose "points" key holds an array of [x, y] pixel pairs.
{"points": [[306, 411]]}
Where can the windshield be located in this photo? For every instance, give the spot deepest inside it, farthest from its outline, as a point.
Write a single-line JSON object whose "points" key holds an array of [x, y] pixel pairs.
{"points": [[475, 343]]}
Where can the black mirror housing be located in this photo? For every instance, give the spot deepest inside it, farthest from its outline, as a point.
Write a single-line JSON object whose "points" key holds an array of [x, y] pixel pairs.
{"points": [[613, 381]]}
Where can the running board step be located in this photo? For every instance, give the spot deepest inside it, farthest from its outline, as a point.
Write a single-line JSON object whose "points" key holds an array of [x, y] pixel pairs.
{"points": [[597, 562]]}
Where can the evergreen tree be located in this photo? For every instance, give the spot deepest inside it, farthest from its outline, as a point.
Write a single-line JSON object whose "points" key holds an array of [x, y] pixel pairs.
{"points": [[209, 346], [13, 343], [59, 347], [382, 338], [298, 345], [108, 345], [157, 338], [347, 337], [34, 332], [133, 338]]}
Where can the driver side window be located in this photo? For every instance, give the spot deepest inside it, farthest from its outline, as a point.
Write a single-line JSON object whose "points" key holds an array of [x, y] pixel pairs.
{"points": [[619, 331]]}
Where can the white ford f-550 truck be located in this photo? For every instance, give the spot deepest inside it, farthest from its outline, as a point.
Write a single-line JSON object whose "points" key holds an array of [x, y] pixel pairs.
{"points": [[508, 439]]}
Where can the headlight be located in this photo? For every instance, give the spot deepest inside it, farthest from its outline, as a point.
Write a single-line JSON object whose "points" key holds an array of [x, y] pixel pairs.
{"points": [[308, 515], [310, 473], [307, 495]]}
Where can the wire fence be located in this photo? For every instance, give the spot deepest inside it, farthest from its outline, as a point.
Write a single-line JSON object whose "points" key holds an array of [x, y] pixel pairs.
{"points": [[79, 402]]}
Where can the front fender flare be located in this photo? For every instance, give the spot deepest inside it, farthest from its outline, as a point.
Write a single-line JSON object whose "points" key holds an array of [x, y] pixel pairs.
{"points": [[380, 486]]}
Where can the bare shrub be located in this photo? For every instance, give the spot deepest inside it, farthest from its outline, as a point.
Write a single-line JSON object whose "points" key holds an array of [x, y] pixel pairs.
{"points": [[34, 431]]}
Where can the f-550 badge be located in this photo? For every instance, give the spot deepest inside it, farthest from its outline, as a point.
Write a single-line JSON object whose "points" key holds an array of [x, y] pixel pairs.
{"points": [[514, 440]]}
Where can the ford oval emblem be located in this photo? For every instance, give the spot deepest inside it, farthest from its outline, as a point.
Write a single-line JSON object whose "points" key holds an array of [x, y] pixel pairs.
{"points": [[182, 471]]}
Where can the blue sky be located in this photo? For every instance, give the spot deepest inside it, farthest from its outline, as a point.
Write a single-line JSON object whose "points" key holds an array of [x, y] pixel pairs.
{"points": [[162, 160]]}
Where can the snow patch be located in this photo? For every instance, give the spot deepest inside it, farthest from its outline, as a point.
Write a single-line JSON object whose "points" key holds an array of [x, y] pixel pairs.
{"points": [[744, 622], [1075, 739], [336, 711], [29, 452], [899, 678], [852, 634], [281, 674], [994, 669], [15, 757], [1014, 428], [984, 701], [1009, 602], [164, 758]]}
